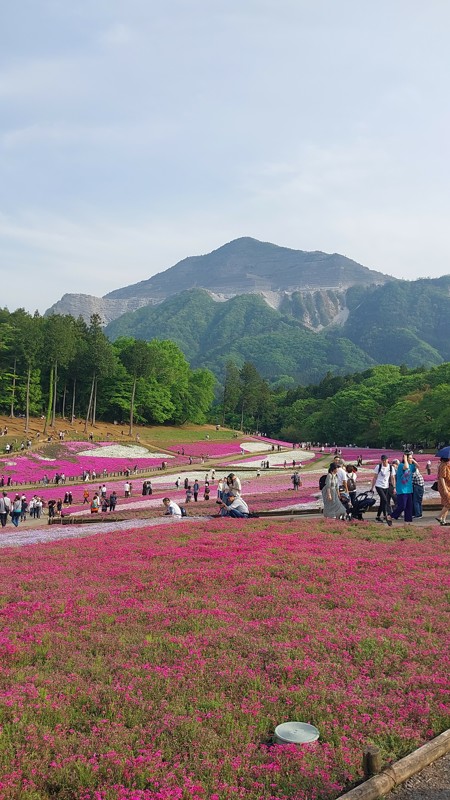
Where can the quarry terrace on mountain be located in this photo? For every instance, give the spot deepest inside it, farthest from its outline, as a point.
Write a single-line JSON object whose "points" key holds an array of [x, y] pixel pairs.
{"points": [[243, 266]]}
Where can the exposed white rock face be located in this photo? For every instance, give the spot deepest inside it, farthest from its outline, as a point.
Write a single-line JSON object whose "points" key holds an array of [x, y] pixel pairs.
{"points": [[84, 305], [310, 286], [323, 307]]}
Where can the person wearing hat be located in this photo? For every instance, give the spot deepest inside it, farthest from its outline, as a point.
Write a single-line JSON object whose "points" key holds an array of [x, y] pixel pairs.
{"points": [[384, 483], [235, 506]]}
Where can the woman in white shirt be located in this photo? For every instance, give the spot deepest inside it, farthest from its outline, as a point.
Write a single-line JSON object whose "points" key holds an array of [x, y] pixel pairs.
{"points": [[384, 482]]}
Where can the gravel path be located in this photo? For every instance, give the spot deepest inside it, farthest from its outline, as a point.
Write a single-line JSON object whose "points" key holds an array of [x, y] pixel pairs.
{"points": [[18, 537], [433, 783]]}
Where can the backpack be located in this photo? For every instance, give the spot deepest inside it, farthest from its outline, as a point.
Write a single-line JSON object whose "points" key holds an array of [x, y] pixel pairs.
{"points": [[322, 481], [351, 483]]}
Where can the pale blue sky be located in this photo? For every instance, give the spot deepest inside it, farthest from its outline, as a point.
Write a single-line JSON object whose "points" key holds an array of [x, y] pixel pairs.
{"points": [[134, 133]]}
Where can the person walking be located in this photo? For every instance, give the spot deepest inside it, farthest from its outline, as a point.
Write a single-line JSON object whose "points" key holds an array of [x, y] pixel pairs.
{"points": [[16, 510], [5, 508], [418, 490], [384, 483], [444, 489], [404, 487], [196, 489], [332, 506]]}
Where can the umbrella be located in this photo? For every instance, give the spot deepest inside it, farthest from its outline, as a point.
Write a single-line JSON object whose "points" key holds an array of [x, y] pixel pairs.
{"points": [[444, 452]]}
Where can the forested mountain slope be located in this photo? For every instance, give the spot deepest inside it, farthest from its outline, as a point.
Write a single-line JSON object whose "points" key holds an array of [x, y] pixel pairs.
{"points": [[401, 322]]}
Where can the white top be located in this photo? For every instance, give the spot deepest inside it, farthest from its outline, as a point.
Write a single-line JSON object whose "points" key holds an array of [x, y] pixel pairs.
{"points": [[342, 475], [237, 484], [383, 474], [239, 504], [174, 509]]}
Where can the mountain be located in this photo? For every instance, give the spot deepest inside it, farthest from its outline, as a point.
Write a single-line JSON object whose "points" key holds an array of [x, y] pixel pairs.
{"points": [[246, 266], [403, 322], [243, 266], [243, 328]]}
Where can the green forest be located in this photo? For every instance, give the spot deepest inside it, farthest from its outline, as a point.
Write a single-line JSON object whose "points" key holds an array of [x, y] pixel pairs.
{"points": [[385, 405], [59, 366]]}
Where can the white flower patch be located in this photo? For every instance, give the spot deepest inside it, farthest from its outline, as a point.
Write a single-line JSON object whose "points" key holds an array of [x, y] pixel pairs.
{"points": [[277, 459], [123, 451], [44, 458], [255, 447]]}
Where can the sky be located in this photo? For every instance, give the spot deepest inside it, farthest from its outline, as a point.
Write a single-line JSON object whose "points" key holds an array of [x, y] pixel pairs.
{"points": [[134, 133]]}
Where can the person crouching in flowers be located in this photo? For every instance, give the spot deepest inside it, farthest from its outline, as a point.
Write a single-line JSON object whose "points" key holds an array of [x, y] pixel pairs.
{"points": [[332, 506], [172, 508], [235, 506]]}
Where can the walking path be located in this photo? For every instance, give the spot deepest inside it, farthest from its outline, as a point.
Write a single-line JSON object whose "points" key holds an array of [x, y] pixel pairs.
{"points": [[433, 783]]}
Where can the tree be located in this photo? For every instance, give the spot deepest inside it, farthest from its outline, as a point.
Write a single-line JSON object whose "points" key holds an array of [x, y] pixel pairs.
{"points": [[100, 363], [59, 346], [231, 389], [137, 359], [29, 342]]}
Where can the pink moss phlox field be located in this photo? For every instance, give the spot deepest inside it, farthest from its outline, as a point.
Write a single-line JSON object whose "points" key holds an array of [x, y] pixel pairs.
{"points": [[209, 449], [214, 449], [157, 663], [32, 467]]}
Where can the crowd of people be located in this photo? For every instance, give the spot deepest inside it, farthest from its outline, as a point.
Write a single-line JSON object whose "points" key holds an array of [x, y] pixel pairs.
{"points": [[399, 485], [229, 499]]}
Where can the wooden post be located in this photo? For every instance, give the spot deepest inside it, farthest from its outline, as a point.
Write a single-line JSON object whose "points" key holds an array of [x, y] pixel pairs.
{"points": [[371, 761], [381, 784]]}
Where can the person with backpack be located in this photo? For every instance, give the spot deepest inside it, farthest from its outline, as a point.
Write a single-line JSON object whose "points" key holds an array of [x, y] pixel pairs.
{"points": [[332, 506], [5, 508], [352, 474], [384, 482], [295, 481]]}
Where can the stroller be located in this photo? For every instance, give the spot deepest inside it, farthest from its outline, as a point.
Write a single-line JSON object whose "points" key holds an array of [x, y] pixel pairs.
{"points": [[361, 504]]}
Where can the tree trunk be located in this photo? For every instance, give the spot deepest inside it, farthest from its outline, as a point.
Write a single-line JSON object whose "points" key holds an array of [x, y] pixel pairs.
{"points": [[13, 392], [27, 410], [94, 404], [63, 410], [242, 416], [89, 405], [49, 406], [55, 382], [73, 400], [133, 393]]}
